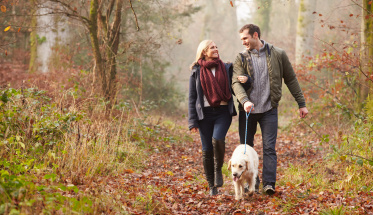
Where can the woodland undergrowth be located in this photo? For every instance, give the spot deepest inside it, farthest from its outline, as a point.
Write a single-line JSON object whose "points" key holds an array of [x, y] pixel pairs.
{"points": [[53, 139], [346, 164], [342, 129], [56, 136]]}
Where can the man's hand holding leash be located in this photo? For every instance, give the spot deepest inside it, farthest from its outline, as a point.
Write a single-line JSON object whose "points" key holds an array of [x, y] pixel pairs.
{"points": [[247, 106]]}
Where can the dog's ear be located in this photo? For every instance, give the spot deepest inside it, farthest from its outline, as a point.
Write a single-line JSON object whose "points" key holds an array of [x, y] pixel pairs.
{"points": [[229, 165], [247, 165]]}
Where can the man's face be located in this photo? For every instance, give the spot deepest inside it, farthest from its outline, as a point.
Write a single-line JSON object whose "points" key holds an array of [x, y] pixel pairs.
{"points": [[247, 40]]}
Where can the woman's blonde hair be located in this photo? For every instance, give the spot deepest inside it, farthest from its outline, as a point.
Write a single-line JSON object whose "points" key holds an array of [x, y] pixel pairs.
{"points": [[203, 46]]}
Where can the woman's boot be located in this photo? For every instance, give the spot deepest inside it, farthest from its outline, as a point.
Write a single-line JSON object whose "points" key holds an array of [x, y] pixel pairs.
{"points": [[208, 165], [219, 151]]}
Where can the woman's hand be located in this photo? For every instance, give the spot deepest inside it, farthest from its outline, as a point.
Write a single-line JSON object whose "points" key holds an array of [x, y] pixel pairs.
{"points": [[242, 78], [194, 130]]}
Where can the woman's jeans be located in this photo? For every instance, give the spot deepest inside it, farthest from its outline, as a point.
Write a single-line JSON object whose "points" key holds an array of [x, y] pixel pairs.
{"points": [[268, 122], [215, 124]]}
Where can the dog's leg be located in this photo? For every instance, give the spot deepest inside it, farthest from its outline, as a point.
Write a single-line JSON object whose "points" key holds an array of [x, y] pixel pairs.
{"points": [[242, 188], [251, 182], [237, 190]]}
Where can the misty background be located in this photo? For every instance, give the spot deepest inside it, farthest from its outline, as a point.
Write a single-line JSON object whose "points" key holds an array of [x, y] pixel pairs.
{"points": [[93, 105], [158, 41], [278, 19]]}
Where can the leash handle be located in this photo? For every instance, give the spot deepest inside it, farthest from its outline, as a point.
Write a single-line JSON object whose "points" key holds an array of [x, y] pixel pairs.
{"points": [[247, 119]]}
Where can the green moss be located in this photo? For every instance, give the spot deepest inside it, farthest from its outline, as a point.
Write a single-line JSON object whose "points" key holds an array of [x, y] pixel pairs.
{"points": [[33, 45], [302, 8], [301, 20]]}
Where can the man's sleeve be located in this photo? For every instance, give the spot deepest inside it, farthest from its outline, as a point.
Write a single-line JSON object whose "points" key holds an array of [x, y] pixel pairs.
{"points": [[237, 87], [291, 81]]}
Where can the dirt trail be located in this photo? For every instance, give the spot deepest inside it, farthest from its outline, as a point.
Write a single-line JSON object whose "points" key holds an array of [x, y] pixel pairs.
{"points": [[173, 181]]}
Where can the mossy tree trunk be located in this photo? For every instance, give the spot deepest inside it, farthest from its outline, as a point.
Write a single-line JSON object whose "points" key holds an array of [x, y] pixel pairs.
{"points": [[305, 30], [93, 33], [33, 43], [113, 35], [365, 85], [107, 29], [103, 23]]}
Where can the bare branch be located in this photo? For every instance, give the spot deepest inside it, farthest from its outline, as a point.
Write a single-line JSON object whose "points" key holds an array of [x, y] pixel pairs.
{"points": [[7, 44], [349, 58], [71, 12], [309, 125], [109, 10], [358, 156], [334, 96], [366, 10], [137, 24]]}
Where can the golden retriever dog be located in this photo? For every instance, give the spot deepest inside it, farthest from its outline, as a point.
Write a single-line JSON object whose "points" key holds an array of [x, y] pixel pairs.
{"points": [[244, 167]]}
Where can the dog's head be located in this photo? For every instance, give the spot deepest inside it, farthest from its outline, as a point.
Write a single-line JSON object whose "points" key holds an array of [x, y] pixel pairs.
{"points": [[238, 166]]}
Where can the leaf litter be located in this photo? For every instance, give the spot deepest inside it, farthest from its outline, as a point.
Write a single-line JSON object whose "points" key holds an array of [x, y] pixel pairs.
{"points": [[173, 182]]}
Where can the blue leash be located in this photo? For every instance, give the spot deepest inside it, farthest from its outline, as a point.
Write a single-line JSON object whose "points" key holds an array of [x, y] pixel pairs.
{"points": [[247, 117]]}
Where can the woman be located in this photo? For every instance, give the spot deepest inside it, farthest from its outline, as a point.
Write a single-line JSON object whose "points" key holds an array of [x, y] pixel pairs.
{"points": [[211, 108]]}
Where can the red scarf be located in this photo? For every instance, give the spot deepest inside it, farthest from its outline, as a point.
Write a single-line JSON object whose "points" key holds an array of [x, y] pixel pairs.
{"points": [[216, 89]]}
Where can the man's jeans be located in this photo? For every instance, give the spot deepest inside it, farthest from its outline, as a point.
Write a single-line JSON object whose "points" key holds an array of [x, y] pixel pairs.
{"points": [[215, 124], [268, 122]]}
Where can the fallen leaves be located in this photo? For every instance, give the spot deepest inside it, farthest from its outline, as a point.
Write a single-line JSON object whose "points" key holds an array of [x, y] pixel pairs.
{"points": [[173, 183], [3, 8], [170, 173], [7, 28], [130, 171]]}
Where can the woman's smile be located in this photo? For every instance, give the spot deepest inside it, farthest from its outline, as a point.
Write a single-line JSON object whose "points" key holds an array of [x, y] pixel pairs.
{"points": [[212, 52]]}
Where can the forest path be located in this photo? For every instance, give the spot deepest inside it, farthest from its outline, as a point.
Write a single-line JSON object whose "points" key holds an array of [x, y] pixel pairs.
{"points": [[173, 182]]}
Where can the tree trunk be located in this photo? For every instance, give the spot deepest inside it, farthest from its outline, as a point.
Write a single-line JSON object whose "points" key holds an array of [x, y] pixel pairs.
{"points": [[262, 16], [47, 35], [230, 33], [305, 30], [106, 70], [208, 20], [93, 33], [33, 43], [365, 86], [113, 40]]}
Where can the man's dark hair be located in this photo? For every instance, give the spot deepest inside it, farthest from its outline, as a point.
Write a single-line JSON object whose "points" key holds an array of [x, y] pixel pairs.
{"points": [[252, 29]]}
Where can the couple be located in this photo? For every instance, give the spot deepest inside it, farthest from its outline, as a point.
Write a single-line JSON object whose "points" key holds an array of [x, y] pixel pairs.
{"points": [[256, 81]]}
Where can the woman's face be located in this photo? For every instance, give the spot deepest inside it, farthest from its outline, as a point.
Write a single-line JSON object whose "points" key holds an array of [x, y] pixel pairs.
{"points": [[212, 52]]}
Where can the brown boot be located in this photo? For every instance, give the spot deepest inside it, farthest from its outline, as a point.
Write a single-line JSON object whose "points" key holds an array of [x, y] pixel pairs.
{"points": [[219, 151], [208, 165]]}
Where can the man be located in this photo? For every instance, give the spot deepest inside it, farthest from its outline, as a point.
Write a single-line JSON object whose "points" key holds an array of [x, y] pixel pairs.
{"points": [[266, 67]]}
